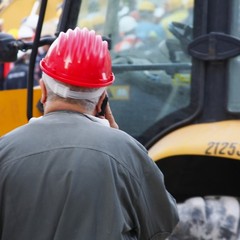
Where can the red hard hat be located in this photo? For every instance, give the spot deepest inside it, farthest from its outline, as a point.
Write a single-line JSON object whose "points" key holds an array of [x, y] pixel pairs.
{"points": [[79, 57]]}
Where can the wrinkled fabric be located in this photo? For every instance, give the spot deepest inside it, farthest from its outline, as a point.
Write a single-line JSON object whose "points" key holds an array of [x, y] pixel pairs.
{"points": [[66, 177], [208, 218]]}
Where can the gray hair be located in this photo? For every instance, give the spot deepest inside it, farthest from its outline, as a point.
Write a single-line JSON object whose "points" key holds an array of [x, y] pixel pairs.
{"points": [[89, 102]]}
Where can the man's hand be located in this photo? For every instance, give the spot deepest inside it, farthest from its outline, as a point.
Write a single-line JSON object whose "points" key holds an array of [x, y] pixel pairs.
{"points": [[107, 112], [109, 116]]}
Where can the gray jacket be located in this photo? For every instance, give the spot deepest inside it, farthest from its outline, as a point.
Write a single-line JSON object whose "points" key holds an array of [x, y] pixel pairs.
{"points": [[66, 177]]}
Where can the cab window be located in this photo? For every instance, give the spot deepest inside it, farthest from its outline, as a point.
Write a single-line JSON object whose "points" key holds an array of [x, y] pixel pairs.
{"points": [[149, 57], [234, 82]]}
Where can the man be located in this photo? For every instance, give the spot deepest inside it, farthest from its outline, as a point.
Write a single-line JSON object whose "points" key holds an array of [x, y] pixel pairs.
{"points": [[72, 174], [18, 75], [147, 30]]}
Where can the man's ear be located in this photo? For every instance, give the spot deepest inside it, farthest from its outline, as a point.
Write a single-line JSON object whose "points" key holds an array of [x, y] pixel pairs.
{"points": [[44, 91]]}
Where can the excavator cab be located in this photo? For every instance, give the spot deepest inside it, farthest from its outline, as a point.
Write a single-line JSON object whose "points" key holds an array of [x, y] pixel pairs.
{"points": [[152, 67]]}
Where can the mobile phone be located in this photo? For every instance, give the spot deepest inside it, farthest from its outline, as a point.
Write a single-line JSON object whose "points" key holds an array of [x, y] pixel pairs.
{"points": [[103, 107]]}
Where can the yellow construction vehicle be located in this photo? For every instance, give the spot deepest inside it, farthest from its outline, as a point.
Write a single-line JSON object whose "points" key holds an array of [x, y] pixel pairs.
{"points": [[178, 95], [14, 12]]}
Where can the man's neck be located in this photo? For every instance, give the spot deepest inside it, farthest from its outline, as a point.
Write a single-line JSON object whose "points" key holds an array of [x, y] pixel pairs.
{"points": [[64, 106]]}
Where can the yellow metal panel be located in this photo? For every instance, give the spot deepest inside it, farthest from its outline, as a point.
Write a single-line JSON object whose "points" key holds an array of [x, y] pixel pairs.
{"points": [[17, 10], [13, 108], [219, 139]]}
